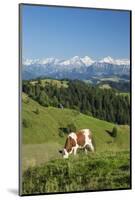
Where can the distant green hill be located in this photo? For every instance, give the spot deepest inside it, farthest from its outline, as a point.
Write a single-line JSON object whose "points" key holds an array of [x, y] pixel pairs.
{"points": [[54, 82], [40, 132]]}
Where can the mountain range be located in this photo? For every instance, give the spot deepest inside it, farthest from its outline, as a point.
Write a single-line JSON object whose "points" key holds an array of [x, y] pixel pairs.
{"points": [[74, 68]]}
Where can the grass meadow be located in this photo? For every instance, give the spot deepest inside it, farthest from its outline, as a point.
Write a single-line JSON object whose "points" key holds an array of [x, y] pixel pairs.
{"points": [[97, 171], [44, 170]]}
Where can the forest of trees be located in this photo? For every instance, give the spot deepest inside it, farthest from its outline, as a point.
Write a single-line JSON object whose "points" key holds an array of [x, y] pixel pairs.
{"points": [[104, 104]]}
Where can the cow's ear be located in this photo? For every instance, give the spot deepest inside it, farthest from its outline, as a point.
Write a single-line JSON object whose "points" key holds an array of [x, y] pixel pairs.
{"points": [[60, 151]]}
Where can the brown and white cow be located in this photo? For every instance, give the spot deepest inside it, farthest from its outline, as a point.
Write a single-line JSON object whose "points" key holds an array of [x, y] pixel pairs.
{"points": [[81, 139]]}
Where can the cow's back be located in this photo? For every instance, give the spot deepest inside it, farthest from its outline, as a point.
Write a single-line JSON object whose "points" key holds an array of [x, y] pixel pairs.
{"points": [[80, 138]]}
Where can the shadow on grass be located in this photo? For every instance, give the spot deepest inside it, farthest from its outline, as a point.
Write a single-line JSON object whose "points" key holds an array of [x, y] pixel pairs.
{"points": [[36, 112], [64, 130], [109, 132]]}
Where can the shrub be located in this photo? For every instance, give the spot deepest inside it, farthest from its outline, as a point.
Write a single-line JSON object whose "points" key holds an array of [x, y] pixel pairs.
{"points": [[114, 132], [25, 100], [61, 134], [26, 123], [71, 128], [37, 111], [43, 99]]}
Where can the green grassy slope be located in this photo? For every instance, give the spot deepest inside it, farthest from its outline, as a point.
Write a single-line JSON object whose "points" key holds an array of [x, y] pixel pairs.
{"points": [[43, 169], [88, 172], [41, 140]]}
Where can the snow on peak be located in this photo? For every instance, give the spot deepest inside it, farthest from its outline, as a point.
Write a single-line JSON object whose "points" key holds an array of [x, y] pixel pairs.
{"points": [[75, 58], [40, 61], [27, 61], [87, 60], [49, 61], [115, 61], [122, 62], [107, 59], [75, 61]]}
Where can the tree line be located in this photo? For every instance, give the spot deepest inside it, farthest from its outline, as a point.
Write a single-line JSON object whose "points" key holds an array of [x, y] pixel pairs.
{"points": [[104, 104]]}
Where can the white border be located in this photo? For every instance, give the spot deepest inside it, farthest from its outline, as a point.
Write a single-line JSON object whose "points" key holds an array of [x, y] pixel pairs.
{"points": [[9, 98]]}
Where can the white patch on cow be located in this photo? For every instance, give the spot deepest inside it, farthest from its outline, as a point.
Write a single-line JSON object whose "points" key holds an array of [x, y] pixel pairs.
{"points": [[86, 131], [88, 141], [73, 136], [65, 153], [90, 145]]}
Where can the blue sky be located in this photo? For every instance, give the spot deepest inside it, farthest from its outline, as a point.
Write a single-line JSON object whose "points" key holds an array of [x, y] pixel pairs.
{"points": [[66, 32]]}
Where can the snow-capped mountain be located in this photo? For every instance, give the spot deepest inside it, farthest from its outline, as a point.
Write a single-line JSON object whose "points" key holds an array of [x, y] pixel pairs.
{"points": [[76, 67], [110, 60], [87, 61], [75, 61], [107, 59]]}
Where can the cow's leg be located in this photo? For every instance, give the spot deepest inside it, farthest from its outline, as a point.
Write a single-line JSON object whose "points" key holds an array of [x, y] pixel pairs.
{"points": [[75, 150], [86, 151], [91, 146], [71, 151]]}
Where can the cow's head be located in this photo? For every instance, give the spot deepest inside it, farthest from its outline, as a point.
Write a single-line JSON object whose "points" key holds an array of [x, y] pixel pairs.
{"points": [[64, 153], [68, 148]]}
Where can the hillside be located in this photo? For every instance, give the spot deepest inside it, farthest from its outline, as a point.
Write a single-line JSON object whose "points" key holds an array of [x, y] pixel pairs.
{"points": [[103, 104], [41, 139], [102, 171]]}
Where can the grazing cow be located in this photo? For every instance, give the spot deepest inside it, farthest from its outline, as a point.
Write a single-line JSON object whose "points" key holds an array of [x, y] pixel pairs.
{"points": [[82, 139]]}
